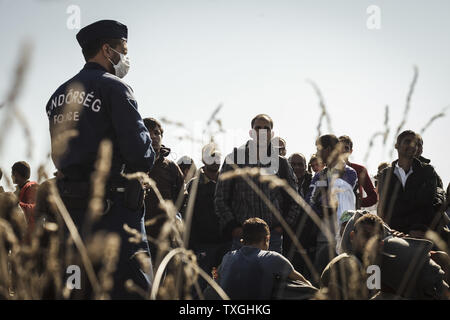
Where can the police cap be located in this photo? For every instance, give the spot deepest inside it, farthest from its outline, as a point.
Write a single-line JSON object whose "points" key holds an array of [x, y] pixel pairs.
{"points": [[103, 29]]}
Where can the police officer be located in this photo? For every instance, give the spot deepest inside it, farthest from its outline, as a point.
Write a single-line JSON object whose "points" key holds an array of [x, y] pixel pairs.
{"points": [[92, 106]]}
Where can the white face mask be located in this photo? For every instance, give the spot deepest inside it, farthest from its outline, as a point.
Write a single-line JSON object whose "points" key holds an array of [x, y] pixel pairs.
{"points": [[122, 67]]}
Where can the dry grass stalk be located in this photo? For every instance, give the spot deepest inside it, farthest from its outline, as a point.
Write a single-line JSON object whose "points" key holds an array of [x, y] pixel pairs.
{"points": [[6, 177], [98, 181], [384, 134], [14, 92], [371, 142], [434, 118], [407, 106], [183, 273], [26, 284], [42, 174], [190, 208], [323, 109], [56, 199], [437, 240], [386, 125], [213, 119], [187, 225], [170, 233], [275, 182], [160, 271], [110, 259]]}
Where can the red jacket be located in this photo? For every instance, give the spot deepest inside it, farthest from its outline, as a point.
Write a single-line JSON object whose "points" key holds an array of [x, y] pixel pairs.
{"points": [[365, 183], [27, 201]]}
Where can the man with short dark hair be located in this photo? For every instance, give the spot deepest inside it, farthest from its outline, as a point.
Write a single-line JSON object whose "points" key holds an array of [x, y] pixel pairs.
{"points": [[364, 182], [26, 192], [408, 190], [169, 181], [94, 107], [298, 164], [365, 228], [250, 272], [236, 201], [345, 276], [315, 164]]}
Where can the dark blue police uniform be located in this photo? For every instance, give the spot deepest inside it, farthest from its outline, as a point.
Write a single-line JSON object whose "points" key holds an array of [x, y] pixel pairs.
{"points": [[92, 106]]}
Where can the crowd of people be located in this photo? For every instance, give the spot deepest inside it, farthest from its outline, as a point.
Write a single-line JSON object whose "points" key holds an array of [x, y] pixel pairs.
{"points": [[263, 225], [239, 239]]}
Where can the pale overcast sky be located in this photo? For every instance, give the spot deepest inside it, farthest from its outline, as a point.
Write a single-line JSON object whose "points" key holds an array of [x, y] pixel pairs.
{"points": [[253, 57]]}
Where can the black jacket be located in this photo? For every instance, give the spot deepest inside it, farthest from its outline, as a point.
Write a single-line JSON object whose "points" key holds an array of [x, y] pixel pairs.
{"points": [[205, 227], [411, 207], [170, 183], [303, 185], [438, 178]]}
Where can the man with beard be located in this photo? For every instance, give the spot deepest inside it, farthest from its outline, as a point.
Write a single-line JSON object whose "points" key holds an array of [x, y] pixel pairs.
{"points": [[408, 190]]}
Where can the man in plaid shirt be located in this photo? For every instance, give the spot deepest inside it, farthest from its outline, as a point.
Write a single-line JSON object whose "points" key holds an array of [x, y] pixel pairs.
{"points": [[236, 201]]}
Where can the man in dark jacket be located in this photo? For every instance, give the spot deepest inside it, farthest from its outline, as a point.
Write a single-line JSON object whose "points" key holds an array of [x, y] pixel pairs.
{"points": [[235, 199], [205, 237], [298, 164], [169, 181], [408, 190]]}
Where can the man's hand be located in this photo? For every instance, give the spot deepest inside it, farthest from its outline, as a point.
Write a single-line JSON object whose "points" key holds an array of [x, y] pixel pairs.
{"points": [[443, 260], [295, 275], [399, 234]]}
